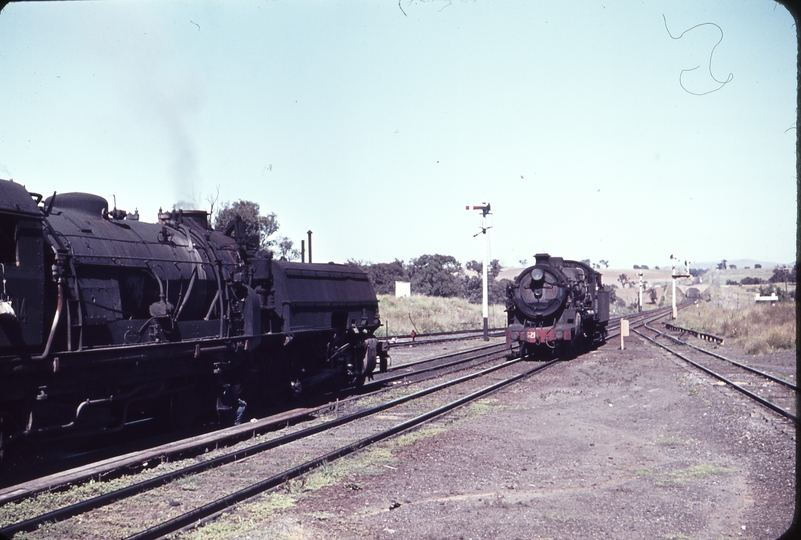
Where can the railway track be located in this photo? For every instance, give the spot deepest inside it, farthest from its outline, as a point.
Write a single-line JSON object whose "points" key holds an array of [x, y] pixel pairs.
{"points": [[129, 462], [773, 392], [346, 412], [342, 418], [442, 337]]}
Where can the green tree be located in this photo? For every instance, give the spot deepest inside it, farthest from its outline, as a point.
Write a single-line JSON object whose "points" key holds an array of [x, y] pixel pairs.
{"points": [[478, 267], [783, 274], [384, 275], [496, 290], [436, 275], [256, 225], [286, 249]]}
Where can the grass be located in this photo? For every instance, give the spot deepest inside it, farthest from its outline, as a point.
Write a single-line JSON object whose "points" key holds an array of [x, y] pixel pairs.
{"points": [[696, 471], [757, 329], [428, 314]]}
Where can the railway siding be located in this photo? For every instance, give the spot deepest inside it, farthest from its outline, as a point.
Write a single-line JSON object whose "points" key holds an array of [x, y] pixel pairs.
{"points": [[623, 444], [614, 444]]}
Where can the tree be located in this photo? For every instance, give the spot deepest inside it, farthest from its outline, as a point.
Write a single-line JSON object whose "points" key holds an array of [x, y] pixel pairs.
{"points": [[478, 267], [722, 265], [604, 262], [752, 281], [473, 287], [612, 294], [523, 262], [436, 275], [286, 250], [256, 225], [783, 274], [623, 279], [384, 275], [697, 272]]}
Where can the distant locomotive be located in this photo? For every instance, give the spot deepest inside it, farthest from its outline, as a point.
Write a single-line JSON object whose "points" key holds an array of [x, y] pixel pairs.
{"points": [[556, 304], [106, 320]]}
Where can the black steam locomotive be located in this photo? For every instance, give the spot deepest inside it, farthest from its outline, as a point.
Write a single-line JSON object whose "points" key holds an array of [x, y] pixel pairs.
{"points": [[556, 305], [107, 321]]}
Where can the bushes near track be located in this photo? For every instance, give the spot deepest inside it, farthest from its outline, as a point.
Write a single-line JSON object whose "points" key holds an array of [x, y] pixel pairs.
{"points": [[757, 329]]}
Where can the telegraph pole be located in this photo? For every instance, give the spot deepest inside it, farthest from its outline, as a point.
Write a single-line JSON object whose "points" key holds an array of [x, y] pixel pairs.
{"points": [[485, 209]]}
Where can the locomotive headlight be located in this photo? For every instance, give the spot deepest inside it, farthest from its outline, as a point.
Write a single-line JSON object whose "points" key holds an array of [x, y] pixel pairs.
{"points": [[537, 274], [560, 334]]}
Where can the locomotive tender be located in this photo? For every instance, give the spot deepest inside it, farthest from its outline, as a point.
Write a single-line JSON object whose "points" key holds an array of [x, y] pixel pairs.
{"points": [[556, 303], [106, 321]]}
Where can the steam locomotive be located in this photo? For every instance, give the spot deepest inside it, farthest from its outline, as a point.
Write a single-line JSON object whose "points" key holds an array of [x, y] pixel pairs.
{"points": [[556, 306], [107, 321]]}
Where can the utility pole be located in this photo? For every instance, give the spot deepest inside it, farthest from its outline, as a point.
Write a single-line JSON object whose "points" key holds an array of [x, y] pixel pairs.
{"points": [[485, 209]]}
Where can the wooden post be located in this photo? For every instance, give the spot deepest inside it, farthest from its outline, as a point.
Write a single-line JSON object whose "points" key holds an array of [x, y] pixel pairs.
{"points": [[624, 332]]}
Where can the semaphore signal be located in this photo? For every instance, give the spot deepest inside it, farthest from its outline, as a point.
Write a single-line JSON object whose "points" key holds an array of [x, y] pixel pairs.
{"points": [[485, 209]]}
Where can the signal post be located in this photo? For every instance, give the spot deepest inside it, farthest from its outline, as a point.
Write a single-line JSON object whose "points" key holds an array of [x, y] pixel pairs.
{"points": [[683, 273], [485, 209]]}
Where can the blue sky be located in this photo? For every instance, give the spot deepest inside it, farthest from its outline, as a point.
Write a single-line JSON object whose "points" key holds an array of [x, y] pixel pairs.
{"points": [[374, 123]]}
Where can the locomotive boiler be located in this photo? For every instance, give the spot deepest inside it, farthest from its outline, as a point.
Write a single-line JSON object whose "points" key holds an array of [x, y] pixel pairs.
{"points": [[558, 306], [106, 320]]}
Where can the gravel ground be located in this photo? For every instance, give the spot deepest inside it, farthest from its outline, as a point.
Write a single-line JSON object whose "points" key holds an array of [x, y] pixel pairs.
{"points": [[615, 444]]}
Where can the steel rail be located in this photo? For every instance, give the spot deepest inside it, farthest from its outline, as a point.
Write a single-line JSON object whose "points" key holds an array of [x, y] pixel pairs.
{"points": [[443, 357], [473, 356], [748, 393], [638, 318], [416, 342], [224, 503], [231, 438], [702, 335], [738, 364], [122, 493], [447, 333]]}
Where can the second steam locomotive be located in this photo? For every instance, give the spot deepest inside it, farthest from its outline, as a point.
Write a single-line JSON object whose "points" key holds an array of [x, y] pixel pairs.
{"points": [[558, 305], [107, 321]]}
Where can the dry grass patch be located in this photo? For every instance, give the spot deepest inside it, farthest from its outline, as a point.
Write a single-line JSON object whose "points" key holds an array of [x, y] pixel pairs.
{"points": [[757, 329], [428, 314]]}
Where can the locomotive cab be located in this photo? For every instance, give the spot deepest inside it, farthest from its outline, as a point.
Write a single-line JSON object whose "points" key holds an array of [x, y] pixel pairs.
{"points": [[22, 271]]}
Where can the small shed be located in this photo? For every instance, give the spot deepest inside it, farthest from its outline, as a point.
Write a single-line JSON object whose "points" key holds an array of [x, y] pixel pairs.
{"points": [[403, 288]]}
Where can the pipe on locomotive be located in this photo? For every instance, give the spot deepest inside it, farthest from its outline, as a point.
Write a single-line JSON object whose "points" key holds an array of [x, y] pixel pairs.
{"points": [[56, 320]]}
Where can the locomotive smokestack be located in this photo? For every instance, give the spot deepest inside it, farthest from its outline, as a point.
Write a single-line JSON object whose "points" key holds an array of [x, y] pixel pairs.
{"points": [[309, 233], [303, 251], [542, 258]]}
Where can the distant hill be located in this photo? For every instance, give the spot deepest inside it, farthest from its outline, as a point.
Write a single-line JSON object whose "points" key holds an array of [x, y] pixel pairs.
{"points": [[739, 263]]}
